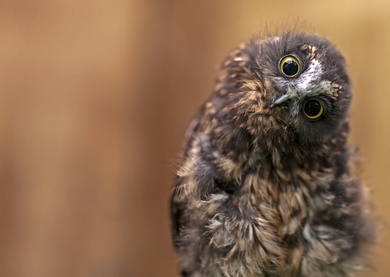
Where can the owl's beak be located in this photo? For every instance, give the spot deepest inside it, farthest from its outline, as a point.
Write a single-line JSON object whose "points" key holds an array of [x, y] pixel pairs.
{"points": [[290, 93], [281, 100]]}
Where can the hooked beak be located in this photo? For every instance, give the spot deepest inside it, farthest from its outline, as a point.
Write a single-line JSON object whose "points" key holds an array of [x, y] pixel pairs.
{"points": [[281, 100], [284, 98]]}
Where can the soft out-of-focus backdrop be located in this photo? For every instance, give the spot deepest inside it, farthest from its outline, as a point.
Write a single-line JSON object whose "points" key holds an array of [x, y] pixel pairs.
{"points": [[94, 100]]}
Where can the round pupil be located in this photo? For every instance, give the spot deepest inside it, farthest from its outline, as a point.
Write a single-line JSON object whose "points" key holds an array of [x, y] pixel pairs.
{"points": [[290, 67], [312, 108]]}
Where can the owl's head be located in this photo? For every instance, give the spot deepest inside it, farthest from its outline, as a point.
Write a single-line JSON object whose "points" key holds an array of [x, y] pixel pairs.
{"points": [[294, 83]]}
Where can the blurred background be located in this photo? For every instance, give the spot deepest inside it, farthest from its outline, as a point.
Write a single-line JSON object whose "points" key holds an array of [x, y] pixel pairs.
{"points": [[95, 96]]}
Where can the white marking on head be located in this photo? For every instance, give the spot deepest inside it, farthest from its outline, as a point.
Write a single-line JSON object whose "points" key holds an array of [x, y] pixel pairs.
{"points": [[312, 73]]}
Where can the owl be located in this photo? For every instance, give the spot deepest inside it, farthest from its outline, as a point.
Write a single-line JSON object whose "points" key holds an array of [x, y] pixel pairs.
{"points": [[268, 185]]}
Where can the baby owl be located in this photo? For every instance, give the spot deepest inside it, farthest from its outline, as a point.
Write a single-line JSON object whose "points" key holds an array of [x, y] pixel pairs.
{"points": [[267, 185]]}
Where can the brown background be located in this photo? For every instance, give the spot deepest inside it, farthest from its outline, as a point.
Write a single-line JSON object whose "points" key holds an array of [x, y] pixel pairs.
{"points": [[94, 99]]}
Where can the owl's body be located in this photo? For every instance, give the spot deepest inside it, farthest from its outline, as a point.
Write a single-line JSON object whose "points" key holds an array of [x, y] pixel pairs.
{"points": [[268, 185]]}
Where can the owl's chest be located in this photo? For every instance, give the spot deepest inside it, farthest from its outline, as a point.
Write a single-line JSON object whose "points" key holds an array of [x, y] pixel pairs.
{"points": [[270, 223]]}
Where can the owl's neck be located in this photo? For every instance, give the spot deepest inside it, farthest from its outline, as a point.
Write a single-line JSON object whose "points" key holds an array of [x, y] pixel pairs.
{"points": [[286, 153], [234, 152]]}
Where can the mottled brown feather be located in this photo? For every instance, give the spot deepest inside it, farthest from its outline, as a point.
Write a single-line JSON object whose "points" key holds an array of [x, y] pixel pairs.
{"points": [[261, 190]]}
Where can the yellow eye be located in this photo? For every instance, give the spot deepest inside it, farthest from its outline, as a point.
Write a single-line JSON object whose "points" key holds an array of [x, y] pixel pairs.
{"points": [[313, 109], [290, 66]]}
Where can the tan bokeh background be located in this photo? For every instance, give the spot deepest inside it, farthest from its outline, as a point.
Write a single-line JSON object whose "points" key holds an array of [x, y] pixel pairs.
{"points": [[94, 100]]}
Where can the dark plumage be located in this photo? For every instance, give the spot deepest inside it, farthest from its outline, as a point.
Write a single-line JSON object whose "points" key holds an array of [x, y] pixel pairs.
{"points": [[267, 184]]}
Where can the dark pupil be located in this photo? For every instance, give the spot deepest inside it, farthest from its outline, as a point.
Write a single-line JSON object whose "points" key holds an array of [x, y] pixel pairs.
{"points": [[312, 108], [290, 67]]}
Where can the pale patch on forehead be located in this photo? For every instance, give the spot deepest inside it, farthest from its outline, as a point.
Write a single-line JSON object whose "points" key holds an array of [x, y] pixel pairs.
{"points": [[312, 74]]}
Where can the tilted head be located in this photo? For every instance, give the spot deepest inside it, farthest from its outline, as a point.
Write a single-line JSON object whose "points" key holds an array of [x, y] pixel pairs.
{"points": [[268, 184], [293, 86]]}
